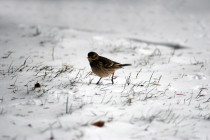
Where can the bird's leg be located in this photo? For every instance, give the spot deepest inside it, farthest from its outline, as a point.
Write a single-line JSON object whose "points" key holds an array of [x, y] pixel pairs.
{"points": [[99, 81], [113, 78]]}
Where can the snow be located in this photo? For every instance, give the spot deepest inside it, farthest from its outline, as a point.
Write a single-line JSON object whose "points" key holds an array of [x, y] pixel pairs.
{"points": [[163, 95]]}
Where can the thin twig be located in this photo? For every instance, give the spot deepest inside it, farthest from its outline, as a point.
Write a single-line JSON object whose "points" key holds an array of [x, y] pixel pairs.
{"points": [[67, 105], [150, 79]]}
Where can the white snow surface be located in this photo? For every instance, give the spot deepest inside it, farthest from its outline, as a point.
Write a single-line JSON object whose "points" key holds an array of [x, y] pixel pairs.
{"points": [[164, 95]]}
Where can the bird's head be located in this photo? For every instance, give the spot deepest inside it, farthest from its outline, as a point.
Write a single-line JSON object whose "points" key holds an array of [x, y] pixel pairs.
{"points": [[92, 56]]}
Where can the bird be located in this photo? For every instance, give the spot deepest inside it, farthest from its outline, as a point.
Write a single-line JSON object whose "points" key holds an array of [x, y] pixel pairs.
{"points": [[102, 66]]}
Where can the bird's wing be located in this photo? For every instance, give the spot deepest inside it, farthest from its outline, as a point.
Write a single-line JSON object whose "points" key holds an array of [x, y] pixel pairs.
{"points": [[109, 64]]}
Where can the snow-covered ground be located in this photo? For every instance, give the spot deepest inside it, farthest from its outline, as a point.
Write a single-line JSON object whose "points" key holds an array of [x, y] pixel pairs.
{"points": [[165, 94]]}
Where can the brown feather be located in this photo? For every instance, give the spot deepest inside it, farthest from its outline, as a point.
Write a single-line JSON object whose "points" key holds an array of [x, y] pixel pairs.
{"points": [[103, 66]]}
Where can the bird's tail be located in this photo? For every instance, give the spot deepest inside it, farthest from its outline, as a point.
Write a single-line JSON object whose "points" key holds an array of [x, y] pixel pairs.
{"points": [[122, 65]]}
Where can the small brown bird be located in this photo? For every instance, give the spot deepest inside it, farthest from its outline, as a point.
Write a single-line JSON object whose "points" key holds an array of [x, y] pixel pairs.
{"points": [[103, 66]]}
